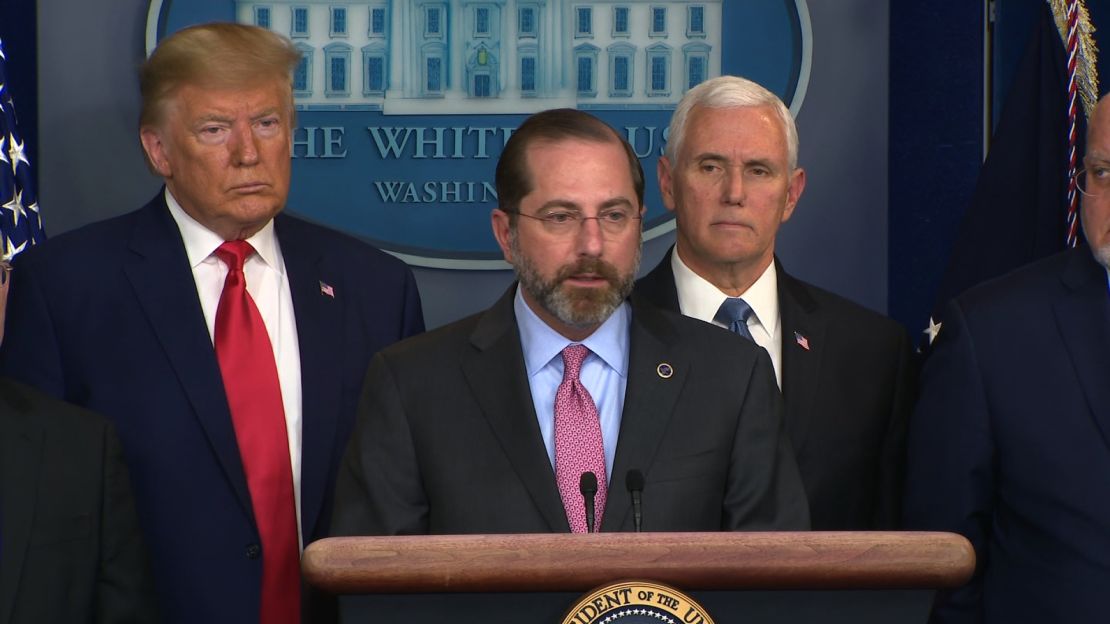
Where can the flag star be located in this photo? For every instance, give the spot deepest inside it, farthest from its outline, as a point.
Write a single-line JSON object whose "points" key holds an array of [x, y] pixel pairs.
{"points": [[34, 207], [3, 150], [11, 251], [16, 206], [932, 330], [15, 152]]}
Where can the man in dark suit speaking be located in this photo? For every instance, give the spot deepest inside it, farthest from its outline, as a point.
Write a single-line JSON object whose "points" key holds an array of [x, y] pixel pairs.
{"points": [[489, 425], [226, 341], [730, 174], [1010, 442]]}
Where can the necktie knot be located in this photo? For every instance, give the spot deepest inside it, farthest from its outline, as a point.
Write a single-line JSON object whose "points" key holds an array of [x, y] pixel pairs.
{"points": [[733, 309], [734, 314], [234, 253], [573, 356]]}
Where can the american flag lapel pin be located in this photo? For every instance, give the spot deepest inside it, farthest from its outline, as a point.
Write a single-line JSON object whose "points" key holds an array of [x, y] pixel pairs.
{"points": [[802, 341], [326, 289]]}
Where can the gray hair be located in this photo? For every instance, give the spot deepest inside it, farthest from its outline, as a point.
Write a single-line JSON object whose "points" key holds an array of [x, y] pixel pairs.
{"points": [[729, 92]]}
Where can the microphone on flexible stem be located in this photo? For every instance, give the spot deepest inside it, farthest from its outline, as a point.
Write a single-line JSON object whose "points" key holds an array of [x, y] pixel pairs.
{"points": [[634, 481], [588, 485]]}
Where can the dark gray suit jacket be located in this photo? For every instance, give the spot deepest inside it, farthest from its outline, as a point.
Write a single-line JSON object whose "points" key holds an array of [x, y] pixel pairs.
{"points": [[848, 398], [447, 439], [70, 548]]}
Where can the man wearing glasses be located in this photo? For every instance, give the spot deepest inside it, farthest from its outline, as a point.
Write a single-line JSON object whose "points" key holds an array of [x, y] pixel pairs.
{"points": [[1010, 441], [506, 422]]}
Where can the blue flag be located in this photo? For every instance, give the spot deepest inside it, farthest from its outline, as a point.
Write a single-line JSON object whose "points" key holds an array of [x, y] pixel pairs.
{"points": [[1018, 211], [20, 223]]}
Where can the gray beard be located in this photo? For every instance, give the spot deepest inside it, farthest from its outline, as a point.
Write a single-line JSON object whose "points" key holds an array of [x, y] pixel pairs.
{"points": [[576, 307]]}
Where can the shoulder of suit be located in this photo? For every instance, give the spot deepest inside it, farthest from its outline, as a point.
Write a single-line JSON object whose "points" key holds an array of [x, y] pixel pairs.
{"points": [[1023, 286], [434, 343], [23, 403], [333, 241], [843, 311], [96, 241]]}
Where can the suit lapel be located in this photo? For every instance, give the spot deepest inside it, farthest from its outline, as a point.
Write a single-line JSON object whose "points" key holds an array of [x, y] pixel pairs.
{"points": [[20, 455], [1083, 318], [506, 401], [658, 286], [649, 402], [318, 318], [801, 321], [164, 286]]}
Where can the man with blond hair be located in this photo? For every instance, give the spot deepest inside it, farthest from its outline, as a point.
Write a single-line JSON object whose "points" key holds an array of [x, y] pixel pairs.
{"points": [[226, 340], [730, 174]]}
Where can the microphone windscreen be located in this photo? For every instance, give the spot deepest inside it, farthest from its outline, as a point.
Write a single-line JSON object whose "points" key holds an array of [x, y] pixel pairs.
{"points": [[588, 484], [634, 481]]}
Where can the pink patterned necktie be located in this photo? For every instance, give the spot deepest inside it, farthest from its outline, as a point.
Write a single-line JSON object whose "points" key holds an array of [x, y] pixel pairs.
{"points": [[578, 446]]}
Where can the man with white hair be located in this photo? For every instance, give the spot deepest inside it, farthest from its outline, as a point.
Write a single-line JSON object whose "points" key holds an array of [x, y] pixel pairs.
{"points": [[730, 174]]}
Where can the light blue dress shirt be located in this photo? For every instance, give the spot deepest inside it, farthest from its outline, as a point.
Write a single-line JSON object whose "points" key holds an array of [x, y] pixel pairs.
{"points": [[604, 373]]}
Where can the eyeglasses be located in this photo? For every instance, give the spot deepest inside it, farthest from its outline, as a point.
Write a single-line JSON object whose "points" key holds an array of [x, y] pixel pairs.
{"points": [[562, 223], [1093, 181]]}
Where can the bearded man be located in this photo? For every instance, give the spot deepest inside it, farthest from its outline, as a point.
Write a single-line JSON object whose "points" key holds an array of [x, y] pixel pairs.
{"points": [[492, 424]]}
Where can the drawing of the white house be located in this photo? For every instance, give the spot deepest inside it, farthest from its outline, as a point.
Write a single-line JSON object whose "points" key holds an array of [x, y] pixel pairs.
{"points": [[494, 56]]}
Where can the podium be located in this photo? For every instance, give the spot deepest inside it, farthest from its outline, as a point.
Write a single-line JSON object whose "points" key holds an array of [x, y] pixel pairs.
{"points": [[739, 578]]}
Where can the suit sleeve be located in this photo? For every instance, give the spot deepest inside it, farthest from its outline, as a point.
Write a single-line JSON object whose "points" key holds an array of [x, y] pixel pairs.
{"points": [[764, 489], [29, 351], [892, 458], [950, 483], [379, 490], [124, 590]]}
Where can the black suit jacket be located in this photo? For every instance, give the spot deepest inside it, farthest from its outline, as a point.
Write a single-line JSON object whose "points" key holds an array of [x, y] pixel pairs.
{"points": [[848, 398], [447, 439], [70, 548], [108, 317], [1010, 443]]}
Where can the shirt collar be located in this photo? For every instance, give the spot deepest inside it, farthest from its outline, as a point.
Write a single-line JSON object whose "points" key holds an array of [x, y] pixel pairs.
{"points": [[699, 298], [201, 242], [541, 343]]}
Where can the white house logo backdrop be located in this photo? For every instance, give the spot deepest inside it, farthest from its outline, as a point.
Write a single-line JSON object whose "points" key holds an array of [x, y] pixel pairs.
{"points": [[403, 106]]}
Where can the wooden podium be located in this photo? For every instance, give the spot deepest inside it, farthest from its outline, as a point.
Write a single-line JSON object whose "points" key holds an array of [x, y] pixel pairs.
{"points": [[740, 578]]}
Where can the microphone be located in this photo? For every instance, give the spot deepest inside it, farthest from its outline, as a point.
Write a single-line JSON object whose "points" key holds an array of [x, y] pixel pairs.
{"points": [[588, 485], [634, 481]]}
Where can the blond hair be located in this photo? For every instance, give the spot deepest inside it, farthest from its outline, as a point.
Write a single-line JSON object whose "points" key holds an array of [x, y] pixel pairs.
{"points": [[218, 55]]}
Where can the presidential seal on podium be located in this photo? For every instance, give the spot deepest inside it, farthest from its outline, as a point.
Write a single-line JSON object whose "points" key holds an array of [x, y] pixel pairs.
{"points": [[637, 602]]}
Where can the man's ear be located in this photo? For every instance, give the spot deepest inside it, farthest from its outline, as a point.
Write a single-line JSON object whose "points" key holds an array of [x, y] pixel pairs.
{"points": [[499, 221], [156, 152], [663, 173], [794, 192]]}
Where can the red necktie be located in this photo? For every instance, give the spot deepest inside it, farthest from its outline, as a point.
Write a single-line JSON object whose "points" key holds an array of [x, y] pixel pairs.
{"points": [[254, 396], [578, 445]]}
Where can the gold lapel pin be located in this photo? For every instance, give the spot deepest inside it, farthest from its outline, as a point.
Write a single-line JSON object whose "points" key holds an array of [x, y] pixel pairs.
{"points": [[664, 370]]}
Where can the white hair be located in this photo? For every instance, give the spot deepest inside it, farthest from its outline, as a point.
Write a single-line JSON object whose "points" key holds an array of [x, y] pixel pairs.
{"points": [[729, 92]]}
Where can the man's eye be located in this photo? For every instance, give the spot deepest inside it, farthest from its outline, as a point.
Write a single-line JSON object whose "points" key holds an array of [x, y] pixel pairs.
{"points": [[759, 172], [1101, 173], [615, 216], [559, 217], [710, 167]]}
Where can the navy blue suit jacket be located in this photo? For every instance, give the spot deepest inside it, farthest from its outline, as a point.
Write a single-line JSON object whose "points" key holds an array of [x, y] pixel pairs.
{"points": [[108, 317], [1010, 443]]}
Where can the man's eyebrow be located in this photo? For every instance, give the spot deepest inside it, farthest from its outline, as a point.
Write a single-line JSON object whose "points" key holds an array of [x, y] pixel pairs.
{"points": [[620, 200]]}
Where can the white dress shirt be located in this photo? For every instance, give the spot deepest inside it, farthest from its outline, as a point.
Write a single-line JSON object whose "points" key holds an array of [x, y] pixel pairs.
{"points": [[268, 285], [700, 299]]}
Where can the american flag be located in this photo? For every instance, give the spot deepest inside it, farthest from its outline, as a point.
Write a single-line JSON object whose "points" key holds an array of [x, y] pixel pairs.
{"points": [[20, 224]]}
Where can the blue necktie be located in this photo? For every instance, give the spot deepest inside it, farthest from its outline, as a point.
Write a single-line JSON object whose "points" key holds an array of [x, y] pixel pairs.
{"points": [[734, 314]]}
